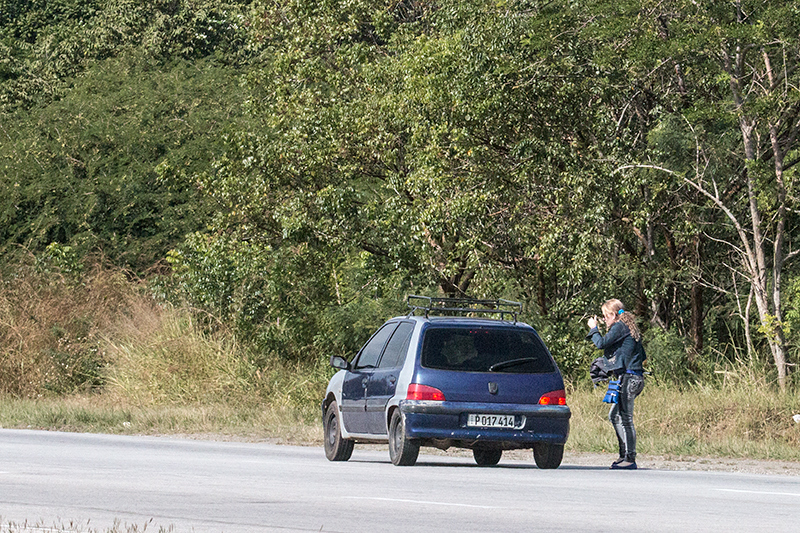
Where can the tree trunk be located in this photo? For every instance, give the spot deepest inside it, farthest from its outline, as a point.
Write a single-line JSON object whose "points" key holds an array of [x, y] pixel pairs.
{"points": [[755, 256], [541, 293], [697, 317], [778, 253], [757, 264], [697, 302]]}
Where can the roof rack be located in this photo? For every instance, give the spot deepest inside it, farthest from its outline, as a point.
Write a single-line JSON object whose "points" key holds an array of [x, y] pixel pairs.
{"points": [[463, 306]]}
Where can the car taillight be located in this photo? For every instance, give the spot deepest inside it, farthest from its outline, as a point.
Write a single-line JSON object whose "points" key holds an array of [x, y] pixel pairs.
{"points": [[424, 392], [556, 397]]}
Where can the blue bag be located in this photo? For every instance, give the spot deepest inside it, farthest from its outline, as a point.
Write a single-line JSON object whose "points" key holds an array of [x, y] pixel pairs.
{"points": [[612, 394]]}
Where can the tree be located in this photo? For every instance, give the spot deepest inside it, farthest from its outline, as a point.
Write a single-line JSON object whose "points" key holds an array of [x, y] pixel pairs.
{"points": [[750, 51], [136, 96]]}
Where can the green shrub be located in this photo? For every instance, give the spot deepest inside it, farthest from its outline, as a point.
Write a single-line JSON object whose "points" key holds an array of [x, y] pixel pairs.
{"points": [[572, 352], [668, 361]]}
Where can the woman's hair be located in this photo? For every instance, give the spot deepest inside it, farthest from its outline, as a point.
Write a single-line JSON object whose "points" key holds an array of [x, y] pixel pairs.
{"points": [[615, 306]]}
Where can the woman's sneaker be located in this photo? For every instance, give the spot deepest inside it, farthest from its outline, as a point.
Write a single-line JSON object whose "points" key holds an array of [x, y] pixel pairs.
{"points": [[624, 465]]}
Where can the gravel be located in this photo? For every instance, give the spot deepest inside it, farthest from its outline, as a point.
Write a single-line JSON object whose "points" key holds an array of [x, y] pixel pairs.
{"points": [[650, 462], [644, 461], [656, 462]]}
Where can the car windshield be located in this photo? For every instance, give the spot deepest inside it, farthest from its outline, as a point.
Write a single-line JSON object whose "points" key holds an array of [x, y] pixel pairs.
{"points": [[487, 349]]}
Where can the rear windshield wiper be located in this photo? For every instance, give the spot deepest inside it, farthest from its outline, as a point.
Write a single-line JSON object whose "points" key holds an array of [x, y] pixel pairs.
{"points": [[512, 362]]}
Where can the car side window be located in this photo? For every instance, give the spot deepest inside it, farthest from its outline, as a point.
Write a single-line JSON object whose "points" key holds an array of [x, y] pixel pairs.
{"points": [[371, 352], [396, 350]]}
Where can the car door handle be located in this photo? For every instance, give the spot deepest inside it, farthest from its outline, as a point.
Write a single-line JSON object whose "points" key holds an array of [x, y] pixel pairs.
{"points": [[364, 382]]}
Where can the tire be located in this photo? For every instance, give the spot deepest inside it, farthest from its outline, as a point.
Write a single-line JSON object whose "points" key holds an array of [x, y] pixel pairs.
{"points": [[336, 447], [487, 456], [402, 450], [548, 455]]}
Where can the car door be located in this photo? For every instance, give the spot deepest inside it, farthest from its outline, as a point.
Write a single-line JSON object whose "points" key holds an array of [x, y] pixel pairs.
{"points": [[354, 386], [383, 380]]}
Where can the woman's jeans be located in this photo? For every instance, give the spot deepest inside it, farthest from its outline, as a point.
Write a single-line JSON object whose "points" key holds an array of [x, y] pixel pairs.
{"points": [[621, 415]]}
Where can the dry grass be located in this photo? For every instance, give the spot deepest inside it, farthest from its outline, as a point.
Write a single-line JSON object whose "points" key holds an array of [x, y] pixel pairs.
{"points": [[252, 421], [50, 329], [731, 420], [701, 422], [159, 355], [166, 358]]}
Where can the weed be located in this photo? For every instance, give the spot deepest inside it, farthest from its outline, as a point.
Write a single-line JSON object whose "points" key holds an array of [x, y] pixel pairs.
{"points": [[78, 527]]}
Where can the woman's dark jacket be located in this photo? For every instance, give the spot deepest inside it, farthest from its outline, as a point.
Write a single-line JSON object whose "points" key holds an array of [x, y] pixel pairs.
{"points": [[622, 353]]}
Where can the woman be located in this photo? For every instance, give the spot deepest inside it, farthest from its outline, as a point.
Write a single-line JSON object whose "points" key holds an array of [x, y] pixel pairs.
{"points": [[622, 347]]}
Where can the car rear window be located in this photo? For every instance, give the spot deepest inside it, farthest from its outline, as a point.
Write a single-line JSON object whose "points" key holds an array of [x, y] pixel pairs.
{"points": [[485, 350]]}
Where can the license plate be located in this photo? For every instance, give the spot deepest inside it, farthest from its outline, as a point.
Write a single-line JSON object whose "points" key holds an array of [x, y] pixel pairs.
{"points": [[495, 421]]}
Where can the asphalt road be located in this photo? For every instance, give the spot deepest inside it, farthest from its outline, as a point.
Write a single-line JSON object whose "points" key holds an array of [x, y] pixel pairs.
{"points": [[85, 482]]}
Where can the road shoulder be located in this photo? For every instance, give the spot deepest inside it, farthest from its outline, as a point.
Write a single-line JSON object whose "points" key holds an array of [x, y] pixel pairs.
{"points": [[658, 462]]}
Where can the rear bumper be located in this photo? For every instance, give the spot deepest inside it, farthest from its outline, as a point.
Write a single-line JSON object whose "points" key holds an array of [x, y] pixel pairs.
{"points": [[448, 421]]}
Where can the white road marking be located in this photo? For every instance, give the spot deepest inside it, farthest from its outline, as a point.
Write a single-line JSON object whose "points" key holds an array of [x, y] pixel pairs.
{"points": [[761, 492], [422, 502]]}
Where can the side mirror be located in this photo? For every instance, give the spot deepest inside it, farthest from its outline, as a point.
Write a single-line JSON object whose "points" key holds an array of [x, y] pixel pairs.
{"points": [[339, 362]]}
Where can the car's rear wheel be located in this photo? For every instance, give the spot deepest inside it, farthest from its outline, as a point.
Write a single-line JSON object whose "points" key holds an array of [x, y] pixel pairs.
{"points": [[336, 447], [547, 454], [487, 456], [402, 450]]}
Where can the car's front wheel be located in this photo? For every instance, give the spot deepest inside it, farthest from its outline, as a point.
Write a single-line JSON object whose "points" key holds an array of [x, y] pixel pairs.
{"points": [[487, 456], [402, 450], [548, 455], [336, 447]]}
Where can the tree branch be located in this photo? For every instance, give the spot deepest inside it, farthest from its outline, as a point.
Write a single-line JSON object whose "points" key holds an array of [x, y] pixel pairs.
{"points": [[714, 198]]}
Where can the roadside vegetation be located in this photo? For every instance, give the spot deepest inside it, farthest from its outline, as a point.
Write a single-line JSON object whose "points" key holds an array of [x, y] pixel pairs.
{"points": [[200, 202], [102, 353]]}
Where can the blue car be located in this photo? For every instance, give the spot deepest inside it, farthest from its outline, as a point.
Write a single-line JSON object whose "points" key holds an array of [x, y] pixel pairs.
{"points": [[447, 376]]}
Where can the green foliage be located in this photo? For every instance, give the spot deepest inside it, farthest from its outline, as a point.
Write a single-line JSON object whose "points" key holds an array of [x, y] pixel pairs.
{"points": [[573, 357], [474, 147], [792, 317], [64, 260], [107, 110], [668, 359], [83, 170], [303, 165], [46, 43], [286, 303]]}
